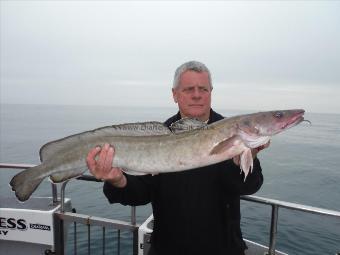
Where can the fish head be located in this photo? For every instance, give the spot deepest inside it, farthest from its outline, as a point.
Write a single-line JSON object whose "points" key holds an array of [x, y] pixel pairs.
{"points": [[270, 123]]}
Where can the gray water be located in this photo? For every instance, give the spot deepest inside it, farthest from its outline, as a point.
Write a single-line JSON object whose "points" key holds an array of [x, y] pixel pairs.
{"points": [[301, 165]]}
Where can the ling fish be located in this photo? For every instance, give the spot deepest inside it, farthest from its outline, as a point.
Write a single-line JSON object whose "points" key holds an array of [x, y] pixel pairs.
{"points": [[152, 148]]}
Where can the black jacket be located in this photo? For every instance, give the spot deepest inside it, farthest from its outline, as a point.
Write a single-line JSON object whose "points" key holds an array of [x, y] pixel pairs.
{"points": [[195, 212]]}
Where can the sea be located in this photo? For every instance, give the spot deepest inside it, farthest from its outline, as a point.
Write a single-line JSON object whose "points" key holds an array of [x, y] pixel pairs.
{"points": [[302, 165]]}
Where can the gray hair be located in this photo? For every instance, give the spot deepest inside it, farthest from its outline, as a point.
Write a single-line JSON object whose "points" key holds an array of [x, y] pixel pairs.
{"points": [[190, 66]]}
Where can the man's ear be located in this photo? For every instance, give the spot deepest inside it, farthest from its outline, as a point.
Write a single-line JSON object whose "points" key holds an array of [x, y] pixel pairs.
{"points": [[174, 95]]}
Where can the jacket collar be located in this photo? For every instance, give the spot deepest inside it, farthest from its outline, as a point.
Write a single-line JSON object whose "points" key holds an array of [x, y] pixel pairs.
{"points": [[213, 116]]}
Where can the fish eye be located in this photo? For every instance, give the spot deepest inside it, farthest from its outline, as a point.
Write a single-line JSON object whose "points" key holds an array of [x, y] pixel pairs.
{"points": [[278, 115]]}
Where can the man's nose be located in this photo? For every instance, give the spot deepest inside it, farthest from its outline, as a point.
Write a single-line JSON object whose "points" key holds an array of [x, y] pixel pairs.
{"points": [[196, 94]]}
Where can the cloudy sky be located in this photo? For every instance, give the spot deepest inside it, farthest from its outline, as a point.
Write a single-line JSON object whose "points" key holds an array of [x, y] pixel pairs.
{"points": [[263, 55]]}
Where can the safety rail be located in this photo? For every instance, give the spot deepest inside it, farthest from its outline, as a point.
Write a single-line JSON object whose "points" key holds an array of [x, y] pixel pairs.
{"points": [[62, 216], [276, 204], [64, 219]]}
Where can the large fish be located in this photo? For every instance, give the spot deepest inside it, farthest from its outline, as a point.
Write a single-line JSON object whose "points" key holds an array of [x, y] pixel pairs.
{"points": [[151, 147]]}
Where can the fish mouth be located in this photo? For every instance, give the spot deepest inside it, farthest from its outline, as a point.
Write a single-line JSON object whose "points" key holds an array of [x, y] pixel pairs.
{"points": [[296, 119]]}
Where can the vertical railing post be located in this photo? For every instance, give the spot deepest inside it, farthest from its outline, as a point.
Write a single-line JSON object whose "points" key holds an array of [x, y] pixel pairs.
{"points": [[75, 236], [133, 215], [54, 193], [59, 245], [59, 223], [273, 229], [104, 241], [62, 196], [118, 243], [89, 238], [135, 232]]}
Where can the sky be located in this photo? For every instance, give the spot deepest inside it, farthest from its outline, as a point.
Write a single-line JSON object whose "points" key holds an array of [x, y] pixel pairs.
{"points": [[263, 55]]}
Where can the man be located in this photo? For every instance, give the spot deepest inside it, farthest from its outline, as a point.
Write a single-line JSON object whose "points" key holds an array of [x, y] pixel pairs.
{"points": [[197, 211]]}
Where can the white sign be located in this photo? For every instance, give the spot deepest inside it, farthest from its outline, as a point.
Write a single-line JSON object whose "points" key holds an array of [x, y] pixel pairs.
{"points": [[33, 226], [19, 223]]}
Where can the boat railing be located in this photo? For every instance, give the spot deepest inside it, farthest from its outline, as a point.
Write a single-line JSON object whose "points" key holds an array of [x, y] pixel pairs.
{"points": [[63, 217], [66, 219], [276, 204]]}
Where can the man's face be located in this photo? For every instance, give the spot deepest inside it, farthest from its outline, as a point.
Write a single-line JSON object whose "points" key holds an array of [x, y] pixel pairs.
{"points": [[193, 95]]}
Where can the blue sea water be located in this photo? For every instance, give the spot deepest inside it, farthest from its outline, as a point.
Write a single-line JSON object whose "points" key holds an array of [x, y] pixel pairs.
{"points": [[301, 165]]}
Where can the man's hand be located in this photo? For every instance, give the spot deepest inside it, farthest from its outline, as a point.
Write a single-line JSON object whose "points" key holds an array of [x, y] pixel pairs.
{"points": [[102, 168], [254, 152]]}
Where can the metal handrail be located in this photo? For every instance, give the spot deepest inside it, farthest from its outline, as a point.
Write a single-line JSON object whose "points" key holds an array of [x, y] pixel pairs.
{"points": [[275, 204], [67, 217], [63, 216], [96, 221], [292, 206], [15, 166], [252, 198]]}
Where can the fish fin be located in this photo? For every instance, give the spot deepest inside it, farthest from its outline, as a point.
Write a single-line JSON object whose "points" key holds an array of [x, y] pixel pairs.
{"points": [[223, 146], [131, 172], [246, 162], [130, 129], [186, 124], [253, 141], [66, 175], [26, 182]]}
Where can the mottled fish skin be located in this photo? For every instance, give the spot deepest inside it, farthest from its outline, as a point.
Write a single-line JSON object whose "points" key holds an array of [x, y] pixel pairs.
{"points": [[150, 147]]}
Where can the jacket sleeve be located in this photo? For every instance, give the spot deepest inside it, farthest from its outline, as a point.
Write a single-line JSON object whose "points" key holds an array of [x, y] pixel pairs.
{"points": [[138, 191], [233, 180]]}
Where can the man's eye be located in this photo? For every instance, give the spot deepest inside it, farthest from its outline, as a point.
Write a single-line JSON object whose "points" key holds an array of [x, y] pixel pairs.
{"points": [[188, 89]]}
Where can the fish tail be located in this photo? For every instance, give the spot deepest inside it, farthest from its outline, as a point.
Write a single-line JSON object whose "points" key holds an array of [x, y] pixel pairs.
{"points": [[27, 181]]}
